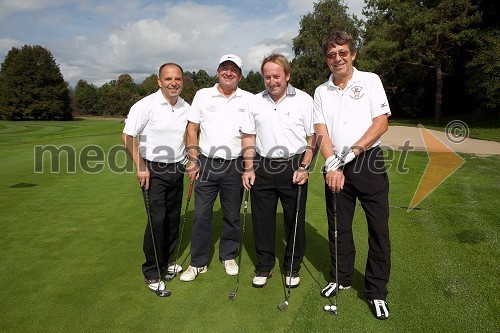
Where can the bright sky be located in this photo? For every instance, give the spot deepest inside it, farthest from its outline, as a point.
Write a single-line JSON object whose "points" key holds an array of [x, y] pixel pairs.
{"points": [[97, 40]]}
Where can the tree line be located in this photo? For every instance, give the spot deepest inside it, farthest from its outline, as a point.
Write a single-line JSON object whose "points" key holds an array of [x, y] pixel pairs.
{"points": [[435, 57]]}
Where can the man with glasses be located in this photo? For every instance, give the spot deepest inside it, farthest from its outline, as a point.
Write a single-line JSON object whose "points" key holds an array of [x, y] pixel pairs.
{"points": [[350, 116], [217, 115]]}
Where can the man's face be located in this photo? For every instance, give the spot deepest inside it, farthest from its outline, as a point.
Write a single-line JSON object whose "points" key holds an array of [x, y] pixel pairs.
{"points": [[339, 60], [171, 82], [229, 75], [275, 80]]}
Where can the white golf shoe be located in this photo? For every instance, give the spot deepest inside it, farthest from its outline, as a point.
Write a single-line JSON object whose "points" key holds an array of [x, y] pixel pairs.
{"points": [[191, 273], [231, 267], [330, 289], [173, 268]]}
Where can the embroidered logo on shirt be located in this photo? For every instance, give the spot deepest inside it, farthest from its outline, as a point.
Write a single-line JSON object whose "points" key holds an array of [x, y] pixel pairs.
{"points": [[212, 108], [357, 92], [383, 105], [241, 110]]}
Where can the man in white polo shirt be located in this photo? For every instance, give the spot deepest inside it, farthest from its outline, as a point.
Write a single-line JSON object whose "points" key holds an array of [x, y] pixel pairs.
{"points": [[278, 144], [217, 115], [154, 139], [350, 115]]}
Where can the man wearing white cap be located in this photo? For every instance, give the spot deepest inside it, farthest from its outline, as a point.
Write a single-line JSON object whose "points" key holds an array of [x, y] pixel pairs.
{"points": [[216, 165]]}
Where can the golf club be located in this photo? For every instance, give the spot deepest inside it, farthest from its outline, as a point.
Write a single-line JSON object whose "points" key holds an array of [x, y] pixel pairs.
{"points": [[332, 308], [170, 276], [164, 292], [284, 306], [232, 295]]}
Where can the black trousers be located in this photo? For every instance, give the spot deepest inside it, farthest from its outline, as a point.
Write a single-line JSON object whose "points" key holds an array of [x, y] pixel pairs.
{"points": [[223, 178], [165, 197], [273, 181], [366, 180]]}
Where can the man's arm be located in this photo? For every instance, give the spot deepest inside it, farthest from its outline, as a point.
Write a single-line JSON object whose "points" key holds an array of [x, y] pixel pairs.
{"points": [[379, 126], [301, 175], [131, 145], [248, 148], [192, 149], [333, 178]]}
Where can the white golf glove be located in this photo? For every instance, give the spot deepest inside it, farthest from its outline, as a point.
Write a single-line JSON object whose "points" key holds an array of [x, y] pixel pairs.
{"points": [[338, 160]]}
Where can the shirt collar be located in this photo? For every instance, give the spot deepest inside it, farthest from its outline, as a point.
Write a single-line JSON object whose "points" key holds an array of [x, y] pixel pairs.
{"points": [[161, 99], [216, 92], [355, 78], [290, 91]]}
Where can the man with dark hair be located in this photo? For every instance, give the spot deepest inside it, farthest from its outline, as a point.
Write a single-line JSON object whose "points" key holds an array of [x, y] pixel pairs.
{"points": [[154, 139], [350, 116]]}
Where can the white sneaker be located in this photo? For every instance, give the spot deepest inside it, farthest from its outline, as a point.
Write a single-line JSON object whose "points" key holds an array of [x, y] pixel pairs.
{"points": [[191, 273], [330, 289], [231, 266], [260, 279], [154, 284], [173, 268], [294, 281]]}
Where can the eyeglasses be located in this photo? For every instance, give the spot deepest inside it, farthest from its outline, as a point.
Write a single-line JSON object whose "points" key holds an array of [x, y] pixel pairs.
{"points": [[341, 53]]}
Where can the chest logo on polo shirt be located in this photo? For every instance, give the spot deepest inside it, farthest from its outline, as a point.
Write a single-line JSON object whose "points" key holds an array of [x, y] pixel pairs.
{"points": [[212, 108], [357, 92], [241, 110]]}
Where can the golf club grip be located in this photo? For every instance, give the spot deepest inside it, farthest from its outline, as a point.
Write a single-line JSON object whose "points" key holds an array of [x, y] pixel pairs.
{"points": [[191, 185], [299, 191], [246, 199]]}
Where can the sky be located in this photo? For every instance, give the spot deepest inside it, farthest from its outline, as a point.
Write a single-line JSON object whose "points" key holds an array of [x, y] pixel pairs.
{"points": [[97, 40]]}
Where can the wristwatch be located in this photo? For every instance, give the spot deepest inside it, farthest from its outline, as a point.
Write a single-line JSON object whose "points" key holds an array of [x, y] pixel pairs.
{"points": [[304, 166]]}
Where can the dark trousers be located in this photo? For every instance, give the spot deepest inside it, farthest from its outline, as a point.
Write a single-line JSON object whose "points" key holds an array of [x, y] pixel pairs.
{"points": [[273, 181], [223, 178], [366, 180], [165, 197]]}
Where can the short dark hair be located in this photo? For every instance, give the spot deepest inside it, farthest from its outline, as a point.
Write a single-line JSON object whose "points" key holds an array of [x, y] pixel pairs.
{"points": [[169, 64], [337, 37]]}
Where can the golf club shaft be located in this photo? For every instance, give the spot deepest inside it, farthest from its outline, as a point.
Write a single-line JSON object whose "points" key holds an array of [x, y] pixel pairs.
{"points": [[335, 245], [245, 209], [145, 193], [191, 185], [297, 210]]}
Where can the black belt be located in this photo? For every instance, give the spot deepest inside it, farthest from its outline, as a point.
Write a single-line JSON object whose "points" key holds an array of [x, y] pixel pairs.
{"points": [[161, 164], [221, 160], [281, 160]]}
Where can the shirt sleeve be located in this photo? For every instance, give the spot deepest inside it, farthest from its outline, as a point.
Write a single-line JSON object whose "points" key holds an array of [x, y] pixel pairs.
{"points": [[318, 116], [136, 120], [194, 114], [309, 116], [379, 104], [248, 126]]}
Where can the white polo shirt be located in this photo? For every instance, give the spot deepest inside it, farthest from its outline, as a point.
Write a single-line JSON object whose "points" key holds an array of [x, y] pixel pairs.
{"points": [[281, 128], [220, 119], [160, 127], [348, 112]]}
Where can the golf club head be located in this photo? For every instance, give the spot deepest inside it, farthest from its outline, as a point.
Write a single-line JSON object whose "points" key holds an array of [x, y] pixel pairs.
{"points": [[163, 293], [232, 296], [169, 277], [283, 306]]}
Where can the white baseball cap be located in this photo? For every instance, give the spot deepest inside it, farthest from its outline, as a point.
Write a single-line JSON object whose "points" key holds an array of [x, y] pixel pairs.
{"points": [[231, 57]]}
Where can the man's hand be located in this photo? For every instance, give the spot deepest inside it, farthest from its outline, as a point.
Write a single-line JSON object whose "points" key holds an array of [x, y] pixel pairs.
{"points": [[300, 176], [193, 170], [338, 160], [335, 180], [248, 179], [143, 177]]}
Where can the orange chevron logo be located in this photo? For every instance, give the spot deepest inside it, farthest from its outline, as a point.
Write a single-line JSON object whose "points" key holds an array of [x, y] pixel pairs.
{"points": [[443, 162]]}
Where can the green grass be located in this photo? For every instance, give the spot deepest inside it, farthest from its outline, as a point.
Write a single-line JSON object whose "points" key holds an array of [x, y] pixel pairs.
{"points": [[70, 253]]}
